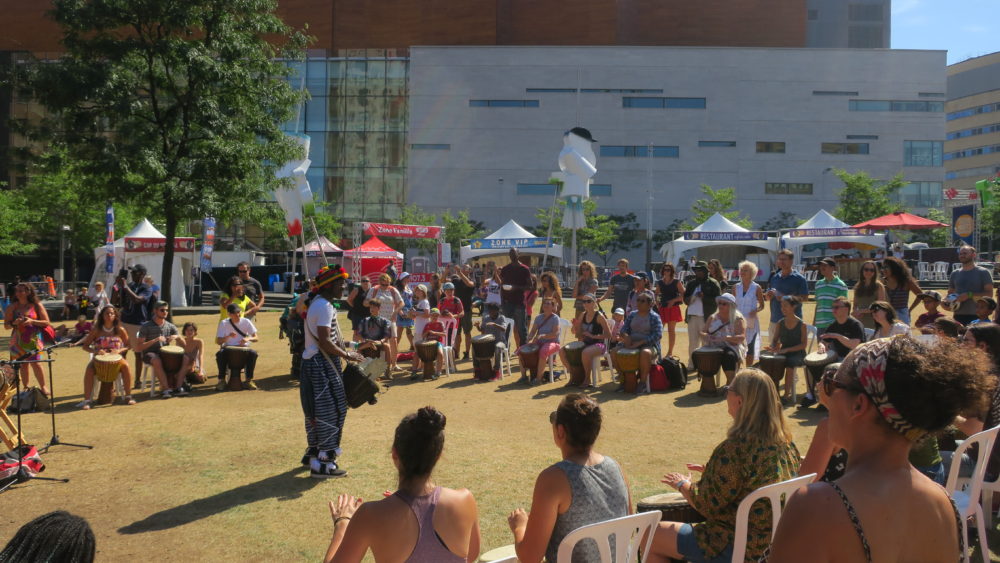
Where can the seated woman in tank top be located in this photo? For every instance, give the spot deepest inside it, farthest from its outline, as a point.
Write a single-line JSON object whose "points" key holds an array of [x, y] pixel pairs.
{"points": [[592, 329], [887, 394], [419, 523], [584, 488]]}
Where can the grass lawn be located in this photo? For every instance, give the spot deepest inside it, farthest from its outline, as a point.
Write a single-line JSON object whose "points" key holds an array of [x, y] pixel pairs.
{"points": [[216, 476]]}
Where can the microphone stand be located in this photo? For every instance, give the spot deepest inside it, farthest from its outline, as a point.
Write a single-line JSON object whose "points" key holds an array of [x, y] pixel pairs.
{"points": [[22, 475], [54, 441]]}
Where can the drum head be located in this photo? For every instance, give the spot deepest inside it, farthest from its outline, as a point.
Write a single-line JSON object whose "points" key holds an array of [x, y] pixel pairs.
{"points": [[109, 358], [497, 554], [708, 350], [821, 358], [529, 348], [575, 345], [233, 348], [664, 499], [626, 352], [174, 349], [768, 356], [483, 338]]}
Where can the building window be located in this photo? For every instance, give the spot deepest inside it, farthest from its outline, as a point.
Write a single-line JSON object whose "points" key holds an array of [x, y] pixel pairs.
{"points": [[430, 147], [788, 188], [621, 90], [770, 146], [503, 103], [600, 190], [834, 93], [975, 151], [864, 12], [980, 171], [984, 130], [716, 143], [660, 103], [863, 137], [969, 112], [922, 153], [844, 148], [596, 190], [550, 90], [894, 105], [920, 194], [865, 37], [639, 151], [536, 189]]}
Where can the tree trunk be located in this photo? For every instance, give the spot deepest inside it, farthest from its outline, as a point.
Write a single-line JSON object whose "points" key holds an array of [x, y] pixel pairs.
{"points": [[168, 254]]}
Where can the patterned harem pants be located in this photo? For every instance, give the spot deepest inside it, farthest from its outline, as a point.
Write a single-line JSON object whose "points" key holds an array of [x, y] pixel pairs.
{"points": [[324, 404]]}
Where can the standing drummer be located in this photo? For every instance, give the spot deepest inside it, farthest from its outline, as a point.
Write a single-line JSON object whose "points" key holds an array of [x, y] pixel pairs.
{"points": [[494, 323], [153, 335], [236, 330]]}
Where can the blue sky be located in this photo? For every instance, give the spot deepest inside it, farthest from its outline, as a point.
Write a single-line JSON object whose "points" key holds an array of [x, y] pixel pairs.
{"points": [[965, 28]]}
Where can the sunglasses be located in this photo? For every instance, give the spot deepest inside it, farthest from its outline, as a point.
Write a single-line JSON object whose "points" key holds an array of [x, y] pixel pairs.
{"points": [[829, 384], [242, 271]]}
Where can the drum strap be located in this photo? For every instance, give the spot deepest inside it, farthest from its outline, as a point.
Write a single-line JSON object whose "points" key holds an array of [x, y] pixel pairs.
{"points": [[724, 325]]}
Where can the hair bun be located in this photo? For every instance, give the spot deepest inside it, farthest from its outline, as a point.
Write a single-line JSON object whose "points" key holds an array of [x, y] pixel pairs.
{"points": [[431, 420]]}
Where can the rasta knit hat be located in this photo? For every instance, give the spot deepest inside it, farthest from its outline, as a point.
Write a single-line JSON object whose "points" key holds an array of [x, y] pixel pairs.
{"points": [[328, 274]]}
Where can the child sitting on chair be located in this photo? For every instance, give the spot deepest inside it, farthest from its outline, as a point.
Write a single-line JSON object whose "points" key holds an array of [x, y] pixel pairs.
{"points": [[433, 330]]}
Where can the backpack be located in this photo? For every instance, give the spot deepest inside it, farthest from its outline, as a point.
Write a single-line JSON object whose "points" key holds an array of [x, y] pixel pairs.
{"points": [[658, 378], [675, 371], [29, 400]]}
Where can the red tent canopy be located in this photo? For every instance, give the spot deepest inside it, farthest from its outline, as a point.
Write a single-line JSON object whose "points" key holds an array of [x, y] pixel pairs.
{"points": [[901, 220], [374, 255]]}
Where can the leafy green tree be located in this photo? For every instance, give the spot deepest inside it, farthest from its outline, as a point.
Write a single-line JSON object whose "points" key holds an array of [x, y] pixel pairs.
{"points": [[175, 105], [989, 213], [326, 224], [413, 215], [628, 237], [864, 197], [783, 220], [56, 189], [596, 237], [16, 219], [715, 201], [458, 229], [935, 238]]}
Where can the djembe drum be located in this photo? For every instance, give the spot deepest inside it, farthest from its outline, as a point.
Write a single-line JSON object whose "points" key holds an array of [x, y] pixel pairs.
{"points": [[236, 360], [106, 369], [171, 358], [816, 362], [574, 357], [484, 348], [708, 360], [497, 554], [774, 365], [427, 351], [672, 506], [628, 364], [529, 358]]}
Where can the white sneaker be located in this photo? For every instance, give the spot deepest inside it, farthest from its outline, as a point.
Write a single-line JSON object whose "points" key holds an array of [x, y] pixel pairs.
{"points": [[166, 394]]}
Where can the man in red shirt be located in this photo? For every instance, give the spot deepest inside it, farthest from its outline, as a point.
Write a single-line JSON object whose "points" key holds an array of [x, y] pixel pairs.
{"points": [[516, 279]]}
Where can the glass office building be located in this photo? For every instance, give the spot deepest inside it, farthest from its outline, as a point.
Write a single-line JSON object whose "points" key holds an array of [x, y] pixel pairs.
{"points": [[356, 118]]}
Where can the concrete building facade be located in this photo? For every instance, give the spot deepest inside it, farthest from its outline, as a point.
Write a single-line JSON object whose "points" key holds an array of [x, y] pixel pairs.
{"points": [[972, 145], [486, 125], [855, 24]]}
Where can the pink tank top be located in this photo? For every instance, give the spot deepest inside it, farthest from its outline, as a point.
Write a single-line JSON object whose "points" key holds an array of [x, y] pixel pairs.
{"points": [[429, 547]]}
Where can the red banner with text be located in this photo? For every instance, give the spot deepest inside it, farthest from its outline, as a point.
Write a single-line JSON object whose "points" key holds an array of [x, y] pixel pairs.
{"points": [[135, 244], [402, 231]]}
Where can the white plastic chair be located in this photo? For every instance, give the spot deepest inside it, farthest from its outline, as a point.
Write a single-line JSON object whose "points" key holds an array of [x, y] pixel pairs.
{"points": [[940, 271], [967, 496], [448, 349], [505, 352], [628, 531], [595, 365], [564, 325], [923, 271], [148, 377], [773, 493]]}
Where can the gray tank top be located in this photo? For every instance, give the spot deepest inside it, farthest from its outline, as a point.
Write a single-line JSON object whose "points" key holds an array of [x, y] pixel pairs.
{"points": [[599, 494], [429, 547]]}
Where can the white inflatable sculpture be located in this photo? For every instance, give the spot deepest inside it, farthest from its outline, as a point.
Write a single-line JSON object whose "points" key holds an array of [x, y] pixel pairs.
{"points": [[578, 165], [291, 199]]}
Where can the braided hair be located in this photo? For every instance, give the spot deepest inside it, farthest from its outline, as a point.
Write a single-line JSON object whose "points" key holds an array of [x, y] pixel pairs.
{"points": [[56, 536]]}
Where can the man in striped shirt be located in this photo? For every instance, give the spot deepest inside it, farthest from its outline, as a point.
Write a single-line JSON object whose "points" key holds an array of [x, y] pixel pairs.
{"points": [[827, 289]]}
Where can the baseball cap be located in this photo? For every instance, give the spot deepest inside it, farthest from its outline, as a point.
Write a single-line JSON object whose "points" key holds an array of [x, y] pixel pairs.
{"points": [[448, 285]]}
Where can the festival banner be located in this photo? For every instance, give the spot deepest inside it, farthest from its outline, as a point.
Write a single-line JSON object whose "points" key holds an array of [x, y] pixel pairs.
{"points": [[963, 223], [137, 244], [724, 236], [505, 243], [109, 241], [207, 243], [402, 231], [841, 232]]}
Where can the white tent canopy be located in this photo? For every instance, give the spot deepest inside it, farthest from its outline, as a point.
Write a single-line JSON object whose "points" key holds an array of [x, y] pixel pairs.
{"points": [[153, 261], [672, 250], [511, 230], [823, 220]]}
